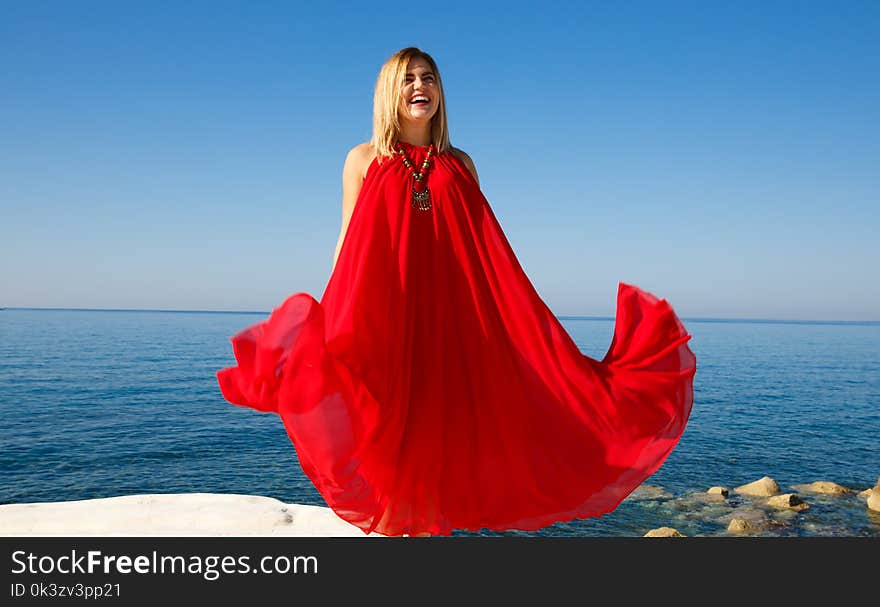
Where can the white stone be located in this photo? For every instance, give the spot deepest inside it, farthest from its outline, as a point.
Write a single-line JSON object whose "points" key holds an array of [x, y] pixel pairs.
{"points": [[171, 514]]}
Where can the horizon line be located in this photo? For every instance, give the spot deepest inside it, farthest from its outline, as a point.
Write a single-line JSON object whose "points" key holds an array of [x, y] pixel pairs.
{"points": [[566, 316]]}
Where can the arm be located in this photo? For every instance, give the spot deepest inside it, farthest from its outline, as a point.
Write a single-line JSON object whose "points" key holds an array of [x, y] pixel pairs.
{"points": [[352, 180]]}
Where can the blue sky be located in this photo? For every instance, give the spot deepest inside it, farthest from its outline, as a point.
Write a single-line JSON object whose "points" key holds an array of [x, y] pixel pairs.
{"points": [[724, 156]]}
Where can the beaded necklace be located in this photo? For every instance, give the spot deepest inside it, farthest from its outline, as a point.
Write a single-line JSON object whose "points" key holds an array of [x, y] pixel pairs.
{"points": [[421, 196]]}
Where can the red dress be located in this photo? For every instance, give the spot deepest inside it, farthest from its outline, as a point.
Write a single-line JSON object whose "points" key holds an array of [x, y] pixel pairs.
{"points": [[431, 388]]}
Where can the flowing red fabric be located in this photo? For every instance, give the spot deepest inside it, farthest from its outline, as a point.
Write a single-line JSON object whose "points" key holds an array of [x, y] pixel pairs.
{"points": [[431, 388]]}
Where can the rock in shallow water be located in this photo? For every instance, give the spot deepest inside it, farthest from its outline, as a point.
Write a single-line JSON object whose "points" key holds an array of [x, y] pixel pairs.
{"points": [[648, 492], [824, 487], [739, 525], [747, 513], [664, 532], [788, 500], [764, 487]]}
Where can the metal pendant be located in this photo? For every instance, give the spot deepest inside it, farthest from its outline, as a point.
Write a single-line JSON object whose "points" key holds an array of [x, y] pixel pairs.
{"points": [[421, 200]]}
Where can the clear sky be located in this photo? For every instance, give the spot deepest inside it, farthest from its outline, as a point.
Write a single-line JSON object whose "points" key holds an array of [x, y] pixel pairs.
{"points": [[723, 155]]}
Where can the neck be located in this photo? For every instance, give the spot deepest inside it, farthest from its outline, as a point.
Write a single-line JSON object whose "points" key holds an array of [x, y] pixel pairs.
{"points": [[415, 134]]}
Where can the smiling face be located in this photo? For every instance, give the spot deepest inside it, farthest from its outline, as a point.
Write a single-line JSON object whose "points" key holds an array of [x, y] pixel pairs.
{"points": [[420, 84]]}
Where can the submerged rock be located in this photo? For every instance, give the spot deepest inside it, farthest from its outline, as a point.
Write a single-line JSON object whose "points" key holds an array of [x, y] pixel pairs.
{"points": [[700, 511], [691, 502], [820, 528], [784, 516], [824, 487], [649, 492], [664, 532], [747, 513], [764, 487], [704, 499], [699, 507]]}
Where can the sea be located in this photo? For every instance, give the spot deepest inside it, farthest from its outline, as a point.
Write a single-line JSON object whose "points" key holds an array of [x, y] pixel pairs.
{"points": [[104, 403]]}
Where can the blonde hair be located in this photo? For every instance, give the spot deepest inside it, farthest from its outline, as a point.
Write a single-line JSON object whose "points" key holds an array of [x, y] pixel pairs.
{"points": [[386, 101]]}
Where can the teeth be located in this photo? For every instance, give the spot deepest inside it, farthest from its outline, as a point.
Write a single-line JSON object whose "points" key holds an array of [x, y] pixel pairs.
{"points": [[419, 99]]}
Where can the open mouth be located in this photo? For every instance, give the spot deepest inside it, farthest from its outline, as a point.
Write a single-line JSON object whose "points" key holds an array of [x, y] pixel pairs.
{"points": [[419, 100]]}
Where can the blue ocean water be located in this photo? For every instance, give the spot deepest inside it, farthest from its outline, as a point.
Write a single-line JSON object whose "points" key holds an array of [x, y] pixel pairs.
{"points": [[98, 403]]}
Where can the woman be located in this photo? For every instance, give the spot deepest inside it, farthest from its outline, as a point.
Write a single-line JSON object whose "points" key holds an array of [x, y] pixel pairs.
{"points": [[403, 120], [431, 389]]}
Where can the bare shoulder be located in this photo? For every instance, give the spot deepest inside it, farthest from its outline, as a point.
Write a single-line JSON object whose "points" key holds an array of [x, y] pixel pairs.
{"points": [[461, 154], [468, 162], [358, 160]]}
